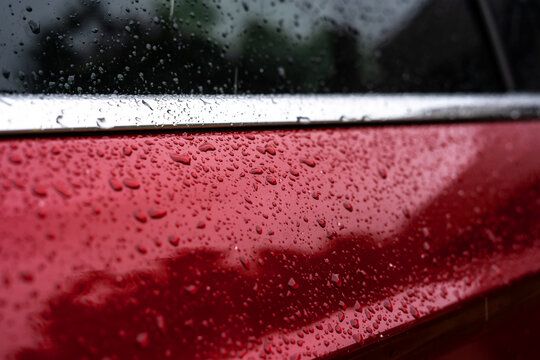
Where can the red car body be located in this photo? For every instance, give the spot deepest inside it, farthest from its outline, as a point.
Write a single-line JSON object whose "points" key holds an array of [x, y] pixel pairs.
{"points": [[283, 243]]}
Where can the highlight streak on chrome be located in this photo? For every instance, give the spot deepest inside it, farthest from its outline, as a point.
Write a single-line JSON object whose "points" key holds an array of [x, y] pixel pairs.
{"points": [[65, 113]]}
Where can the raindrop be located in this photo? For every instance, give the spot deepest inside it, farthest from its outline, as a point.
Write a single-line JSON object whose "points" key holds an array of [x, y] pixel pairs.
{"points": [[271, 179], [63, 190], [206, 146], [293, 284], [388, 305], [160, 322], [271, 150], [414, 312], [102, 123], [59, 120], [358, 338], [140, 216], [15, 159], [191, 289], [406, 213], [183, 159], [174, 240], [142, 339], [39, 190], [157, 213], [115, 184], [141, 249], [27, 276], [132, 183], [34, 27], [336, 280], [244, 262], [294, 172], [308, 162], [147, 105]]}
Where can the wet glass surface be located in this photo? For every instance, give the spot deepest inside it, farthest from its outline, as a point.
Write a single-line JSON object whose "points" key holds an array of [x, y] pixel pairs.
{"points": [[244, 47]]}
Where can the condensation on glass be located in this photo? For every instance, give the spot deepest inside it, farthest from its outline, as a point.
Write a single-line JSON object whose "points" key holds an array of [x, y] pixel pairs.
{"points": [[242, 47]]}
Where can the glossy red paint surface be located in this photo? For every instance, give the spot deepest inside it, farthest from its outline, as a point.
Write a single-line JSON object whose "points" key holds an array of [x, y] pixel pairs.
{"points": [[273, 244]]}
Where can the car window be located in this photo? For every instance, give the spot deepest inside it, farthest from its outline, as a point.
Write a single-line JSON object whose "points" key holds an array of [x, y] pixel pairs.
{"points": [[242, 47]]}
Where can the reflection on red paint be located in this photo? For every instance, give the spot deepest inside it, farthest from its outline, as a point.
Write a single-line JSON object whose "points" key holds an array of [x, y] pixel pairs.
{"points": [[329, 238]]}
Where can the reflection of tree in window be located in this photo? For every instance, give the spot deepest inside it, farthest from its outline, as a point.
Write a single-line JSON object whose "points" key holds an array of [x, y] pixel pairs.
{"points": [[252, 47], [180, 56]]}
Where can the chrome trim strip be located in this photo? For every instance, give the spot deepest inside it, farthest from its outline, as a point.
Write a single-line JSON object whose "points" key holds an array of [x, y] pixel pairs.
{"points": [[68, 113]]}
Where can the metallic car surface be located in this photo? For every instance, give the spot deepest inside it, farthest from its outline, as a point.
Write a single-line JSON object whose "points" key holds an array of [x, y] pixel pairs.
{"points": [[41, 114], [279, 243]]}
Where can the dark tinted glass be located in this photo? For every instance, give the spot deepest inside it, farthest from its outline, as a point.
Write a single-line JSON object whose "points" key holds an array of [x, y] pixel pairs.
{"points": [[519, 27], [242, 46]]}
